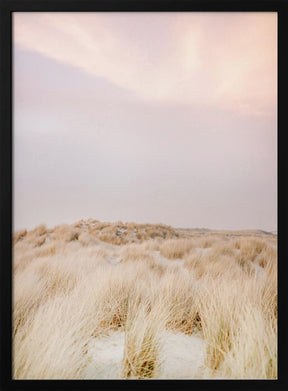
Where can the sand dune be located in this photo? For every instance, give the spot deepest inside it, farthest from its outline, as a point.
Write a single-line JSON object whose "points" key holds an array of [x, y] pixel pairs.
{"points": [[97, 300]]}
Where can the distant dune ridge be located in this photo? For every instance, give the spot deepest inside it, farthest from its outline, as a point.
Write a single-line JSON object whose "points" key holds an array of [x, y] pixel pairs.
{"points": [[96, 300]]}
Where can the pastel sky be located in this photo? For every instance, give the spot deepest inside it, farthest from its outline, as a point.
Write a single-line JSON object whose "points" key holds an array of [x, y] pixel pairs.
{"points": [[145, 117]]}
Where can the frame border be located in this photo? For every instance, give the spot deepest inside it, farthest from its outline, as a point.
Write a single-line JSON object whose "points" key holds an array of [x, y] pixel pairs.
{"points": [[6, 184]]}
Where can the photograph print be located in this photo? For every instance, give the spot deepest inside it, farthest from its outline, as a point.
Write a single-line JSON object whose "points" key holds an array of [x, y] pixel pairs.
{"points": [[144, 195]]}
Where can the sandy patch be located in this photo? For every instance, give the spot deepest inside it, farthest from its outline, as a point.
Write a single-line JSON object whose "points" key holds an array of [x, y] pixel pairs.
{"points": [[106, 354], [181, 356], [259, 270], [113, 260], [121, 231], [161, 259]]}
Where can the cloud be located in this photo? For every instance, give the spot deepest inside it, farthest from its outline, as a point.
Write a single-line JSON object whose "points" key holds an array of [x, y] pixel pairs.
{"points": [[147, 117], [227, 60]]}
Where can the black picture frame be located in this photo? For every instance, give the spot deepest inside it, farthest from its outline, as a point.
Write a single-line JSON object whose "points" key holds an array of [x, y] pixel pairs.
{"points": [[6, 154]]}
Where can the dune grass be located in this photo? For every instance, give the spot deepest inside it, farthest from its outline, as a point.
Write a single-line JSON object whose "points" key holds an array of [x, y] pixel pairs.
{"points": [[73, 284]]}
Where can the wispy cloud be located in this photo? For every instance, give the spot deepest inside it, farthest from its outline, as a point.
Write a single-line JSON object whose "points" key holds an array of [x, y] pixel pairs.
{"points": [[218, 59]]}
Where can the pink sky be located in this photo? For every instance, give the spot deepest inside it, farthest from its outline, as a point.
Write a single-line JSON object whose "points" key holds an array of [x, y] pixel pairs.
{"points": [[148, 117]]}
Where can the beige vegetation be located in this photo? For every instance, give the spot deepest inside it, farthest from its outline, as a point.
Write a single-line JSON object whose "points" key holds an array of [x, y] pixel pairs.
{"points": [[125, 300]]}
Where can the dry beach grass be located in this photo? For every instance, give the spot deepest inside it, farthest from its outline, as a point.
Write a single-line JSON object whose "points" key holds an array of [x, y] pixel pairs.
{"points": [[142, 286]]}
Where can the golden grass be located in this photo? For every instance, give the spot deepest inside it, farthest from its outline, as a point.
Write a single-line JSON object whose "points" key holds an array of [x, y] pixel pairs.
{"points": [[71, 285], [142, 341]]}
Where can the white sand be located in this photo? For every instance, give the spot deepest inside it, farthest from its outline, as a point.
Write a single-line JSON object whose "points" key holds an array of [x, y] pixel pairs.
{"points": [[181, 356], [121, 231], [161, 259], [259, 270], [113, 260], [106, 355]]}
